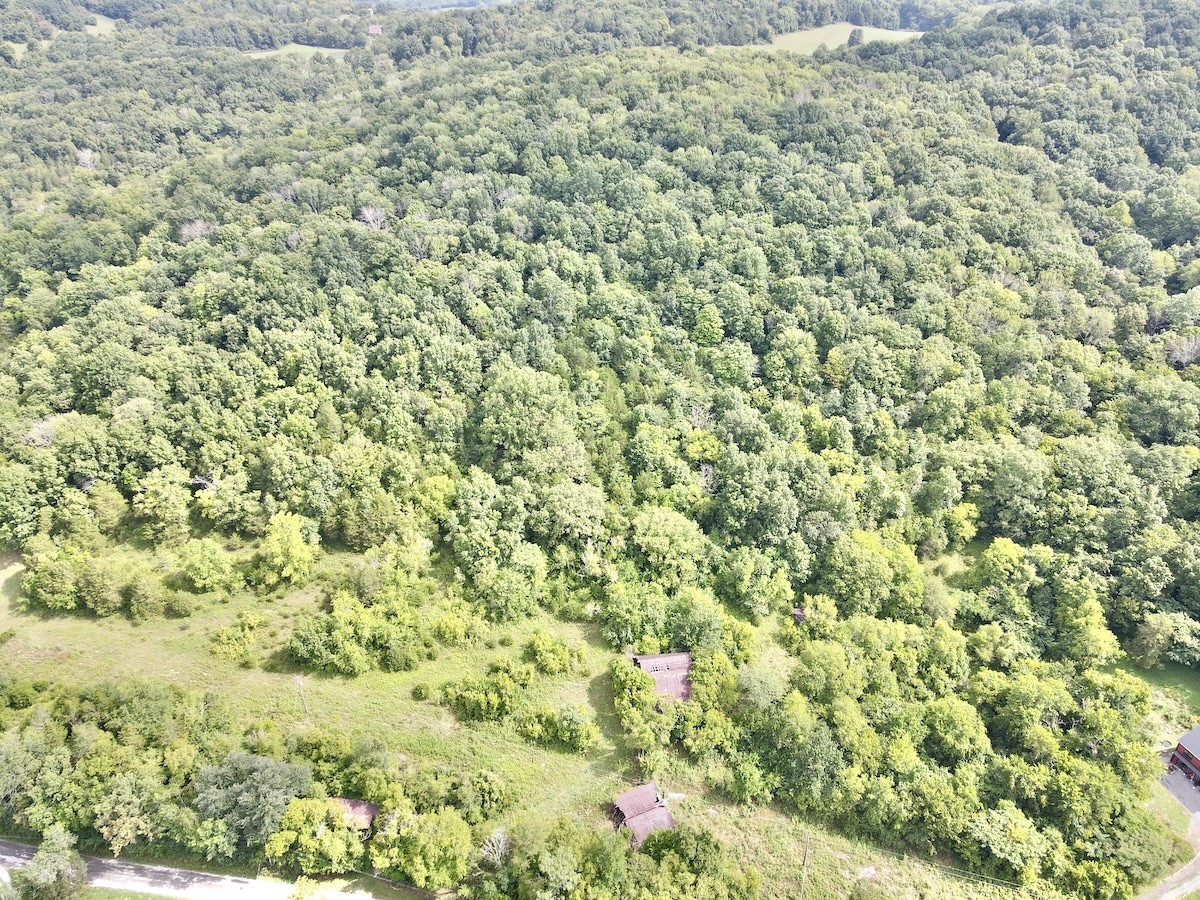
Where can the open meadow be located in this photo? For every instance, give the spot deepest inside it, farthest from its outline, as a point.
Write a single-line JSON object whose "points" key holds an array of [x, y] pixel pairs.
{"points": [[303, 51], [808, 40]]}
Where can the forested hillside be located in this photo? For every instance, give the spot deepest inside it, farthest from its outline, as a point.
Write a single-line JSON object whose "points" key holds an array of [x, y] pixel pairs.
{"points": [[559, 315]]}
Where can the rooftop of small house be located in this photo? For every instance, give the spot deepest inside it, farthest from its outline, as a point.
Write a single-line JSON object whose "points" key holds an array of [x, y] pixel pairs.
{"points": [[671, 673], [642, 826], [632, 803], [1191, 742], [358, 813]]}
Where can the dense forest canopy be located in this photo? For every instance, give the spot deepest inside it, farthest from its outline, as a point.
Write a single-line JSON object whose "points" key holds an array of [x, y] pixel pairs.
{"points": [[575, 309]]}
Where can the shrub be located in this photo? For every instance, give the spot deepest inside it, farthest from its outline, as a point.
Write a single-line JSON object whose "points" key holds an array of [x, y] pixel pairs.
{"points": [[179, 605], [98, 590], [569, 727], [551, 655], [206, 566], [239, 640], [490, 697], [145, 598], [50, 581]]}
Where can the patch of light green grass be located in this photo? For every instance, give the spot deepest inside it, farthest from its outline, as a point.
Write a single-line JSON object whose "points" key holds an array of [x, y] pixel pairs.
{"points": [[1174, 699], [103, 25], [778, 844], [1163, 805], [1183, 681], [304, 51], [835, 35]]}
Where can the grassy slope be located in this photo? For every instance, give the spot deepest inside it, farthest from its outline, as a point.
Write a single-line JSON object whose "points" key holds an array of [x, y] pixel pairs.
{"points": [[1176, 697], [547, 783], [104, 25], [835, 35], [301, 50], [84, 651]]}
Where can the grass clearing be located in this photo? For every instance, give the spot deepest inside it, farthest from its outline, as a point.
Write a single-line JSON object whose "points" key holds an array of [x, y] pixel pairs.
{"points": [[1163, 805], [835, 35], [83, 650], [777, 845], [304, 51], [103, 25], [1183, 681]]}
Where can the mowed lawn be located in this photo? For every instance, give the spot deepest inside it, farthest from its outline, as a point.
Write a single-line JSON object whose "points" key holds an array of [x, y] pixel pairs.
{"points": [[835, 35]]}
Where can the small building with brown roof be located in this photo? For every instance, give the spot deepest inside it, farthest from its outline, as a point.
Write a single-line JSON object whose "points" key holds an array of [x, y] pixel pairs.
{"points": [[358, 814], [642, 798], [671, 673], [642, 811], [641, 827]]}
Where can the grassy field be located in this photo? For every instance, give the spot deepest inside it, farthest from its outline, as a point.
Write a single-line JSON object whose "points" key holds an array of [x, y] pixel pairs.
{"points": [[104, 25], [1183, 681], [778, 845], [549, 783], [1163, 805], [85, 650], [835, 35], [302, 50]]}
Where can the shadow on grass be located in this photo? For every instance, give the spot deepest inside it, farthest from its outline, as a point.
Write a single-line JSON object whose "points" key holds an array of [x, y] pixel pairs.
{"points": [[600, 696], [281, 662]]}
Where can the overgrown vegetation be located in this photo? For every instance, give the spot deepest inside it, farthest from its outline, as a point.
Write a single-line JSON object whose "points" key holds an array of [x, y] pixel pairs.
{"points": [[541, 311]]}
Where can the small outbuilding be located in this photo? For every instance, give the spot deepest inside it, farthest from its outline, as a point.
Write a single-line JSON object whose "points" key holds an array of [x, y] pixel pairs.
{"points": [[358, 814], [672, 673], [374, 30], [641, 827], [642, 811], [642, 798]]}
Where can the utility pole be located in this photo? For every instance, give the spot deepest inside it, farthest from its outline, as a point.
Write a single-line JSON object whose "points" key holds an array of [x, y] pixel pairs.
{"points": [[303, 702], [804, 871]]}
